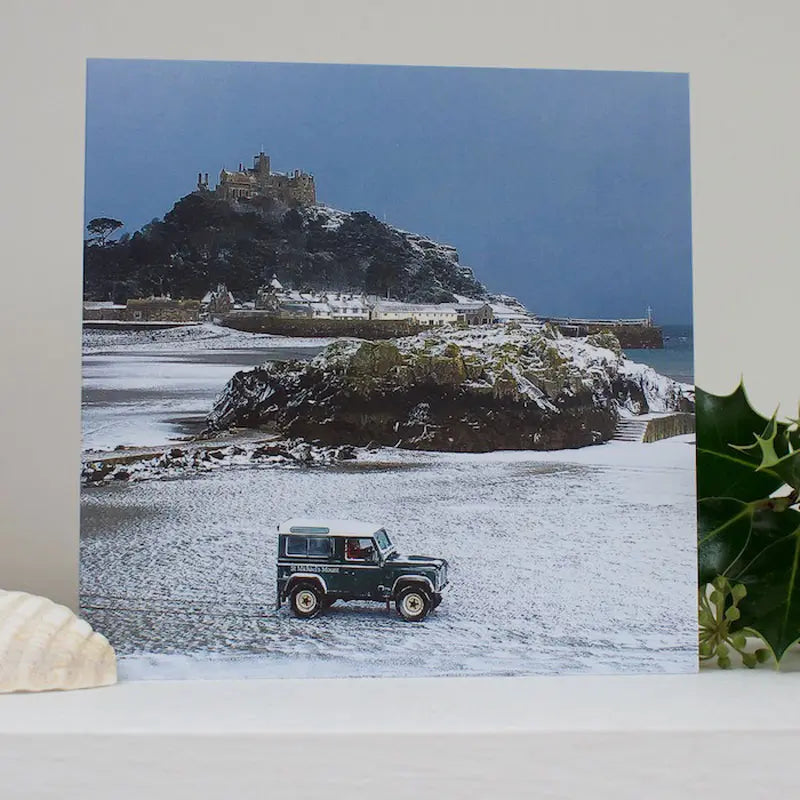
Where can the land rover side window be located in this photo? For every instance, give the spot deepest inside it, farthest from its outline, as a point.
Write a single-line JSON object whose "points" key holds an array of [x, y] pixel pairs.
{"points": [[296, 546], [308, 546], [359, 550], [319, 546], [383, 540]]}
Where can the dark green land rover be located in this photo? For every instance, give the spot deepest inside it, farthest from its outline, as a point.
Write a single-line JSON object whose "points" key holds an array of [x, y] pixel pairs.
{"points": [[322, 561]]}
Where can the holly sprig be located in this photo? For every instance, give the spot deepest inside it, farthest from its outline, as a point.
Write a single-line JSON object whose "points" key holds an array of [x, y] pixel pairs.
{"points": [[748, 483]]}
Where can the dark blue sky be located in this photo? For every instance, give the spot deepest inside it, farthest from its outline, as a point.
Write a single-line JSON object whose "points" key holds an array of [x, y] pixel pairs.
{"points": [[568, 189]]}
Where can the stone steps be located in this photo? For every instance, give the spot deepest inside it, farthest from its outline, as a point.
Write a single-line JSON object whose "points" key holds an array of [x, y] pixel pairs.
{"points": [[630, 430]]}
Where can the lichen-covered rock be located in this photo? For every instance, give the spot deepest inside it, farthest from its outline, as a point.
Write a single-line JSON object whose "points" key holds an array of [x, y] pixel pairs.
{"points": [[479, 389], [605, 339]]}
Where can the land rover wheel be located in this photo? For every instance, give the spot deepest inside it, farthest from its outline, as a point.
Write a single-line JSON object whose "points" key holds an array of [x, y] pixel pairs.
{"points": [[306, 600], [413, 604]]}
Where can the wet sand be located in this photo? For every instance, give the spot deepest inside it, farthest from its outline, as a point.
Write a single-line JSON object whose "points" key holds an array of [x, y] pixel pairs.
{"points": [[141, 398]]}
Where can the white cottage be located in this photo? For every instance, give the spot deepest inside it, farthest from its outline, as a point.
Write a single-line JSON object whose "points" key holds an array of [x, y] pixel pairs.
{"points": [[347, 306], [422, 314]]}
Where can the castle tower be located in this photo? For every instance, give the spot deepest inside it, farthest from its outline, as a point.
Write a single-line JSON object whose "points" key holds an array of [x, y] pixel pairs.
{"points": [[261, 164]]}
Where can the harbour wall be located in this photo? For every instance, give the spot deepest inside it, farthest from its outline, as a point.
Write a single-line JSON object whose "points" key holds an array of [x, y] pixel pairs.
{"points": [[635, 337], [666, 427], [260, 322]]}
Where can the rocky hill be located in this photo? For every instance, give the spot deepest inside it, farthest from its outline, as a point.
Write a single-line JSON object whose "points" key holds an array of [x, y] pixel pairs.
{"points": [[204, 240], [490, 388]]}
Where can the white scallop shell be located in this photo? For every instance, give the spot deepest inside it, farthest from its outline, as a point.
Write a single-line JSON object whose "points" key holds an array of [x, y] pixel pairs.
{"points": [[45, 646]]}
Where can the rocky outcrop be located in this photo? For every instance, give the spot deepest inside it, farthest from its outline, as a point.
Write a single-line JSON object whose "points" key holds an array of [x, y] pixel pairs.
{"points": [[474, 390], [179, 461]]}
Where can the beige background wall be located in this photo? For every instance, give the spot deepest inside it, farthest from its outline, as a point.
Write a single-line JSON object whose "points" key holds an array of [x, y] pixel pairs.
{"points": [[746, 177]]}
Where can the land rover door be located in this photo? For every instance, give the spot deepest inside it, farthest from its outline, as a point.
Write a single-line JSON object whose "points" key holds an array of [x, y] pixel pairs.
{"points": [[362, 566]]}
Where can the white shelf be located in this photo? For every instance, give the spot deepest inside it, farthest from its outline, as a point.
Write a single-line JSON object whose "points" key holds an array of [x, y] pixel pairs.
{"points": [[434, 705], [649, 736]]}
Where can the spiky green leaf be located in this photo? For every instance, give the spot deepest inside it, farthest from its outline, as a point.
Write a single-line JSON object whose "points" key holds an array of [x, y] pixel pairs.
{"points": [[723, 526], [745, 535], [723, 423], [786, 463], [770, 568]]}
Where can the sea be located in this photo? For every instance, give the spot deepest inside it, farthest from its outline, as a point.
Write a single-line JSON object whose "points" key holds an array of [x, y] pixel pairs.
{"points": [[676, 360]]}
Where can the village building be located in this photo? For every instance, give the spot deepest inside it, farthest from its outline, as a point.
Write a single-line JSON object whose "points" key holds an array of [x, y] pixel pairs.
{"points": [[510, 312], [348, 306], [422, 314], [217, 301], [275, 299], [320, 310], [143, 309], [332, 305], [267, 299], [295, 310], [477, 313]]}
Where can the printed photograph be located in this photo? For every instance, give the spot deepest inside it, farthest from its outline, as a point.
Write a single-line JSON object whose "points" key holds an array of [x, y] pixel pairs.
{"points": [[387, 371]]}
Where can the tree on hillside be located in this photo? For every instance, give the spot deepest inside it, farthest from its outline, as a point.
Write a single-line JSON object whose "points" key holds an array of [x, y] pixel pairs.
{"points": [[100, 228]]}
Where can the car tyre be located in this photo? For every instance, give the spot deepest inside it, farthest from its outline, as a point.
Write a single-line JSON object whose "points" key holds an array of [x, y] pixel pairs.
{"points": [[413, 604], [306, 600]]}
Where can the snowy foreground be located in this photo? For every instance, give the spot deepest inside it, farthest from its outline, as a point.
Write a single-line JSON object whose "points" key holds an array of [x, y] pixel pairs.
{"points": [[568, 561]]}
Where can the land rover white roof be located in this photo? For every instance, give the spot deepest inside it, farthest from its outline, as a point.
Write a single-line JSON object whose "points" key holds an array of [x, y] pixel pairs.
{"points": [[329, 527]]}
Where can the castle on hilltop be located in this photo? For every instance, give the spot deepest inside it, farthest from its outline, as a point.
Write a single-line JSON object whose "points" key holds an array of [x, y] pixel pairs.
{"points": [[260, 181]]}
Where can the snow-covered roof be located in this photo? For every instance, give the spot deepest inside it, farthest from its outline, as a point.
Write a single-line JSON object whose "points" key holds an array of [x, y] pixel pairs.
{"points": [[507, 313], [300, 297], [395, 305], [329, 527], [275, 283], [346, 302], [209, 296]]}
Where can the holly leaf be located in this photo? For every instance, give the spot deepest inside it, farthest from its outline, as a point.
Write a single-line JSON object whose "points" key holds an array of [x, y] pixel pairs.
{"points": [[724, 526], [786, 466], [725, 424], [745, 532], [769, 566]]}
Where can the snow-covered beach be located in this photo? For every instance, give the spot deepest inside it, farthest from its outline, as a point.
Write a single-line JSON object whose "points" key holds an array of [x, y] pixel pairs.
{"points": [[577, 561], [562, 561]]}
